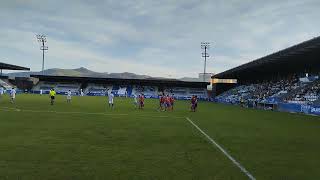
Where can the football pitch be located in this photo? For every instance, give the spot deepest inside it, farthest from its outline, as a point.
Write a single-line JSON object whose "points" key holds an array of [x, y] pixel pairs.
{"points": [[87, 140]]}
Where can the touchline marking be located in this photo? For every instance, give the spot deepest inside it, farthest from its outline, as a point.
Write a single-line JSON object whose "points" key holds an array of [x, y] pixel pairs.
{"points": [[235, 162]]}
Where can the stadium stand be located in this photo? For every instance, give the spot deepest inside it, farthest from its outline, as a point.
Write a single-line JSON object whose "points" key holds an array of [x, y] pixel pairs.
{"points": [[148, 91], [65, 87], [287, 80], [45, 86], [60, 87], [5, 84], [95, 89], [129, 90], [179, 92], [261, 92], [4, 81], [121, 87], [122, 91], [115, 89], [201, 93], [307, 93], [4, 66]]}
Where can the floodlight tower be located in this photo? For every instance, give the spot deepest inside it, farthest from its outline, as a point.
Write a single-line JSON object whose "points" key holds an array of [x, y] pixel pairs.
{"points": [[42, 40], [205, 55]]}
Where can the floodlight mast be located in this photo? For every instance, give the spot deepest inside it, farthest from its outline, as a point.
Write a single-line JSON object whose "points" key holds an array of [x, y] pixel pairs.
{"points": [[205, 55], [42, 40]]}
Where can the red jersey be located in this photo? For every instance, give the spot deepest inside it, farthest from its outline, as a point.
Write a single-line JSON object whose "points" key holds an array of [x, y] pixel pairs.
{"points": [[161, 99], [141, 98], [193, 100], [171, 99], [167, 99]]}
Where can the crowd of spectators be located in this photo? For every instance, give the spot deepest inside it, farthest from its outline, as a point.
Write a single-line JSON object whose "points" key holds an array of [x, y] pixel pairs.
{"points": [[307, 94], [261, 92]]}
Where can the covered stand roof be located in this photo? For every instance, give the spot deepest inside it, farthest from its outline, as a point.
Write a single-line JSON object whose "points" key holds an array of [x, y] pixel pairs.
{"points": [[304, 57], [12, 67], [118, 81]]}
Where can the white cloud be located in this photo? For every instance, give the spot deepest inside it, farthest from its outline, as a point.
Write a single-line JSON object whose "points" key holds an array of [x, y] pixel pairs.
{"points": [[163, 37]]}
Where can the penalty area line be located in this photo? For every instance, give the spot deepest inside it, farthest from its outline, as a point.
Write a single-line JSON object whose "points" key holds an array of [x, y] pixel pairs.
{"points": [[213, 142]]}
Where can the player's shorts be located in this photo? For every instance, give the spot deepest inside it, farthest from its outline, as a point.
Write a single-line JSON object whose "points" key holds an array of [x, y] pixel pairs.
{"points": [[111, 102], [52, 97], [192, 105], [168, 104], [68, 97]]}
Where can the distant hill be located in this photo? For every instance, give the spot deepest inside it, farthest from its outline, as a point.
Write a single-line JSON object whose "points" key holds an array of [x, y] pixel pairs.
{"points": [[191, 79], [83, 72]]}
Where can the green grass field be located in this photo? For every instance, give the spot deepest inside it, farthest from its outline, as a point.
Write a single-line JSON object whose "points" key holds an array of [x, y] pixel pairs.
{"points": [[86, 140]]}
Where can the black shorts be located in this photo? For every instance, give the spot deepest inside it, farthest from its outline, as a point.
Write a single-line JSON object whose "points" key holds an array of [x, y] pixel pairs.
{"points": [[52, 97]]}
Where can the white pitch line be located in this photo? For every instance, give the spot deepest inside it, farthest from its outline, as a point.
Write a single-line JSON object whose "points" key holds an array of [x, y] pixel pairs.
{"points": [[59, 112], [74, 112], [86, 113], [10, 108], [6, 110], [235, 162], [151, 116]]}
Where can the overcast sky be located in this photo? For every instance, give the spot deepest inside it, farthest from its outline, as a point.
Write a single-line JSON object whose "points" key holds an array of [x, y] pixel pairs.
{"points": [[157, 38]]}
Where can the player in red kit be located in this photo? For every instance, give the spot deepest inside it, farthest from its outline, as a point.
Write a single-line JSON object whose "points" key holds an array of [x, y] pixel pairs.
{"points": [[161, 102], [171, 101], [141, 101], [167, 103], [193, 103]]}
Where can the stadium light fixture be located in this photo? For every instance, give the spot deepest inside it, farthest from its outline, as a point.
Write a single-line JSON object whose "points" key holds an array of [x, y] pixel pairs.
{"points": [[42, 39], [205, 55]]}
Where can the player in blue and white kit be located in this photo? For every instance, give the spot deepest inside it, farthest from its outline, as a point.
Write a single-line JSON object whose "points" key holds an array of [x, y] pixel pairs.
{"points": [[81, 92], [135, 102], [110, 98], [13, 95], [69, 96]]}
